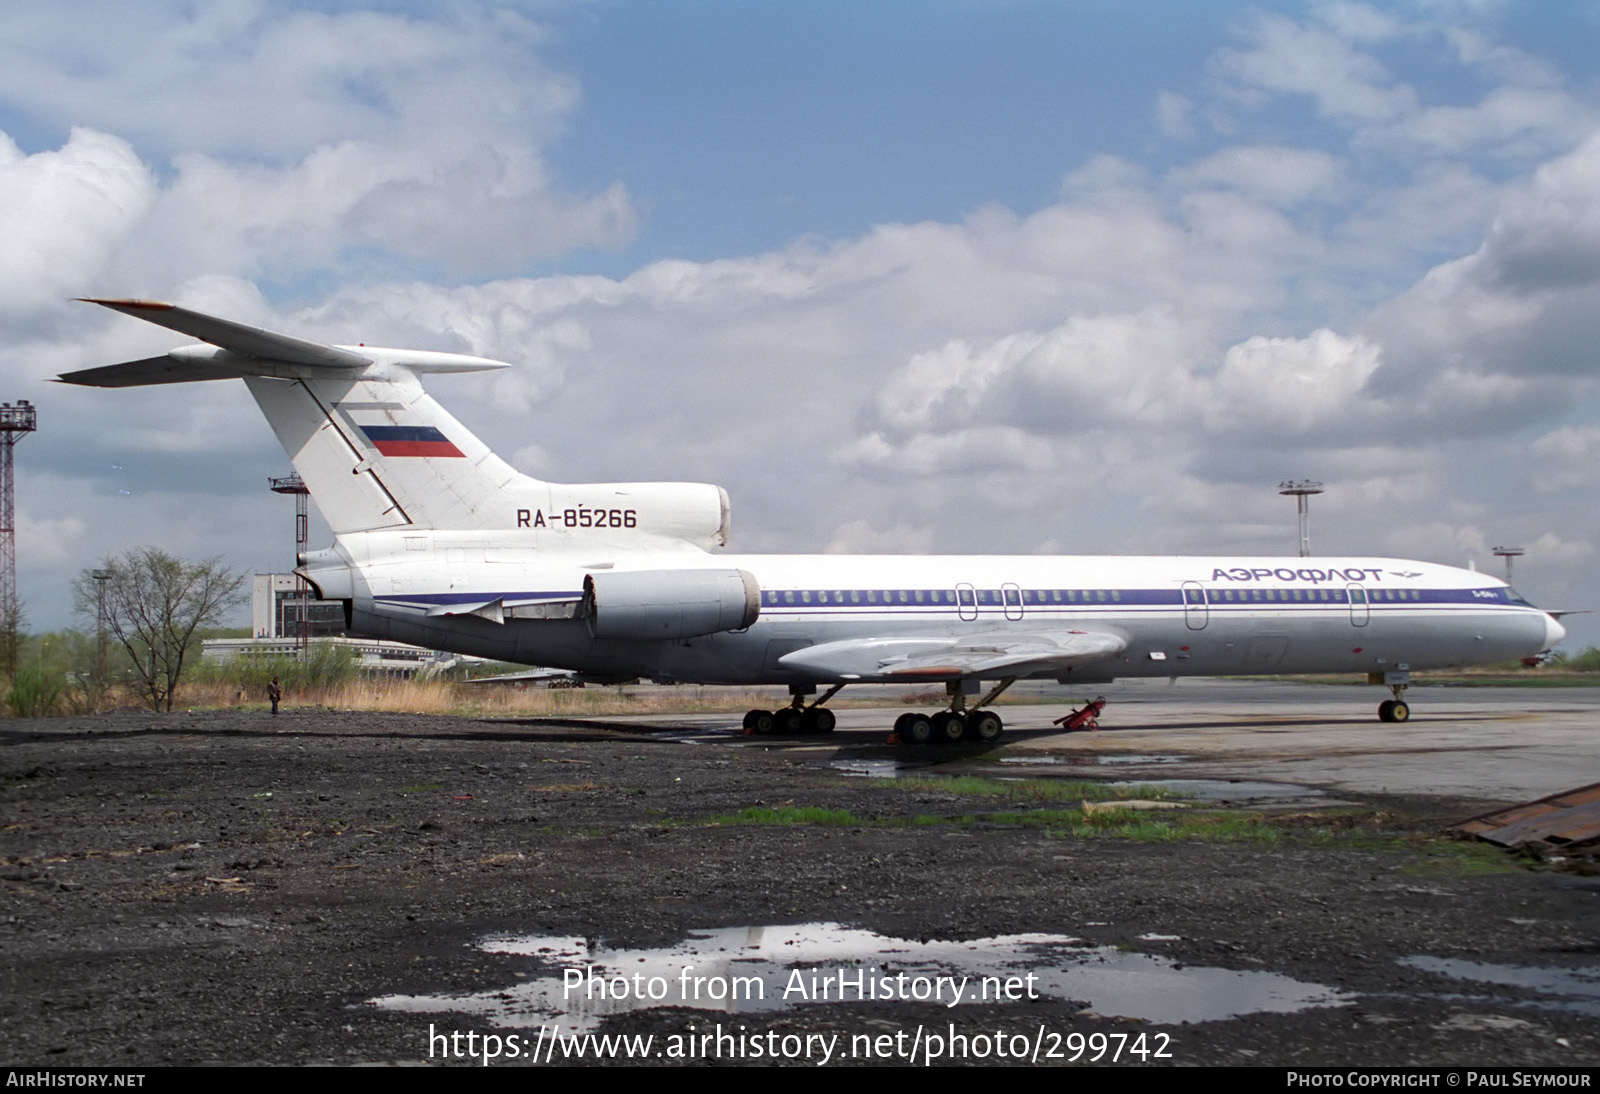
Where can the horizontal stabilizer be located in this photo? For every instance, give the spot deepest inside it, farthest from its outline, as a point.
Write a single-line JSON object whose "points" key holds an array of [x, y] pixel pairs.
{"points": [[150, 370], [238, 337]]}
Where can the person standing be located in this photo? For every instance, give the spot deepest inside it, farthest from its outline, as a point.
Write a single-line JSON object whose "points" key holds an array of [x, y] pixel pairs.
{"points": [[274, 693]]}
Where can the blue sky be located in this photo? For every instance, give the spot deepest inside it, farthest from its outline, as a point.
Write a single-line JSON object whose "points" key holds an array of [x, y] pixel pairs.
{"points": [[749, 125], [986, 277]]}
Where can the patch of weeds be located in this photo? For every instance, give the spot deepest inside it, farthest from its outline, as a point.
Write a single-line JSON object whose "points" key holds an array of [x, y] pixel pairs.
{"points": [[1467, 858], [788, 815], [1210, 827], [1028, 790]]}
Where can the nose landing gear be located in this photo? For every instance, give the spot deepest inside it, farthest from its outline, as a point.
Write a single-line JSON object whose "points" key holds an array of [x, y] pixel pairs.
{"points": [[1393, 710]]}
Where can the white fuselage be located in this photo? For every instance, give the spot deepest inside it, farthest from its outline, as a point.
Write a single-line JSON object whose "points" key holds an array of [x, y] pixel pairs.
{"points": [[1179, 616]]}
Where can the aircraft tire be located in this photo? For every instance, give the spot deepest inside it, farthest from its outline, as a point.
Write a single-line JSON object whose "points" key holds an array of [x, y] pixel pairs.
{"points": [[985, 726], [787, 720], [918, 729], [948, 727], [819, 720], [759, 722], [1400, 713]]}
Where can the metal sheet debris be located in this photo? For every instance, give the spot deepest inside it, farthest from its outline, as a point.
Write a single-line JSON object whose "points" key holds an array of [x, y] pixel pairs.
{"points": [[1569, 820]]}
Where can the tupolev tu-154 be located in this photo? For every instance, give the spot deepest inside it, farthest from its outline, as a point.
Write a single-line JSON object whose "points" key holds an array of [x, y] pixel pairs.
{"points": [[440, 543]]}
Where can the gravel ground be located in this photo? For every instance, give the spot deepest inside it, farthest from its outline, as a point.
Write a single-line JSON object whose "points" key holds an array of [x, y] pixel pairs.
{"points": [[231, 887]]}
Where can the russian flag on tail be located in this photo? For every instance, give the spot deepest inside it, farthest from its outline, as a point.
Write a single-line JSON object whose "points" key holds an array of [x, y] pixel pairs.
{"points": [[410, 440]]}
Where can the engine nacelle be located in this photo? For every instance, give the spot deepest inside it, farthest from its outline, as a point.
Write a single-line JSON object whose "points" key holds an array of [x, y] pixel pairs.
{"points": [[659, 604]]}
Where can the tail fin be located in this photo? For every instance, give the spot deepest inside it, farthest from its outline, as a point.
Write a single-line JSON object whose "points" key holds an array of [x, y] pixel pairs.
{"points": [[377, 453], [373, 448]]}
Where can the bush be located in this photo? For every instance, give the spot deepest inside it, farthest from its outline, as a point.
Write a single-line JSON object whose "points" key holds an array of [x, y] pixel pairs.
{"points": [[1587, 661], [325, 667], [33, 693]]}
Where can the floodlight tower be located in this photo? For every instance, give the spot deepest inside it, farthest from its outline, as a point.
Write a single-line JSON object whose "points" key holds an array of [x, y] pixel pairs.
{"points": [[294, 484], [1301, 492], [100, 625], [16, 422], [1508, 553]]}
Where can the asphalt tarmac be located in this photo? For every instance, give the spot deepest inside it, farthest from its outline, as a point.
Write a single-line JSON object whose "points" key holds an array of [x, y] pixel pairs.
{"points": [[326, 887], [1490, 744]]}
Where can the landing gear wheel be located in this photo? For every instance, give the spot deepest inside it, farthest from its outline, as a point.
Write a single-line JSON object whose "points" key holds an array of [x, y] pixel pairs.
{"points": [[1393, 710], [758, 722], [917, 729], [787, 720], [948, 727], [818, 720], [984, 725]]}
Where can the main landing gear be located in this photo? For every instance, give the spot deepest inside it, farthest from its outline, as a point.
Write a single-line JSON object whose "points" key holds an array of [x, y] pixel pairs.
{"points": [[955, 724], [797, 717]]}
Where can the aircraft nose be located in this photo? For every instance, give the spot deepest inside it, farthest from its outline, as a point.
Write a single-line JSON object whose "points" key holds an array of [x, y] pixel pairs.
{"points": [[1553, 631]]}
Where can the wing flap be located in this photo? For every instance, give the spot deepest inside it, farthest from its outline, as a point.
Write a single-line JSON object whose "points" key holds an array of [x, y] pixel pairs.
{"points": [[889, 659]]}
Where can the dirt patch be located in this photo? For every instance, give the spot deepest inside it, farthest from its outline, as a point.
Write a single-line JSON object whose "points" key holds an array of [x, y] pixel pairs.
{"points": [[234, 887]]}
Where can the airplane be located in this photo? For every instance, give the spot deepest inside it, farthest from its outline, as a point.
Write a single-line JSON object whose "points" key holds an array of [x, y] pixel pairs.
{"points": [[440, 543]]}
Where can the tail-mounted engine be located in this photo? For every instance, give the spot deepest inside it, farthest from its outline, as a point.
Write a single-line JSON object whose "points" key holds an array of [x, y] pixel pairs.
{"points": [[656, 604]]}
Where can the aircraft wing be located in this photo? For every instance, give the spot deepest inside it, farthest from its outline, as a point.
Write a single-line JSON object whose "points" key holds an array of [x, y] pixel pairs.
{"points": [[991, 655]]}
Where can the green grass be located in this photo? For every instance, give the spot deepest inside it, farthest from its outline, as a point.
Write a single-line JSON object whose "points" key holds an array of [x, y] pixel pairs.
{"points": [[1029, 790], [1467, 858], [1219, 826], [787, 816], [1552, 680], [1342, 831], [1211, 826]]}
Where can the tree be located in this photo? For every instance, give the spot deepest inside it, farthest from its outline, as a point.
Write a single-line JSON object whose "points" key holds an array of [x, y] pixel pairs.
{"points": [[154, 604]]}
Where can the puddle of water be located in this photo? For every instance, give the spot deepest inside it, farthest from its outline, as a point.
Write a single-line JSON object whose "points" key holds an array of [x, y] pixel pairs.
{"points": [[1225, 789], [1577, 990], [869, 769], [750, 970], [1090, 760]]}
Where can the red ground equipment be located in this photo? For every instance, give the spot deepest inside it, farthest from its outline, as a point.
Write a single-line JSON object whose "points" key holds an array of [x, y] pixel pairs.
{"points": [[1087, 718]]}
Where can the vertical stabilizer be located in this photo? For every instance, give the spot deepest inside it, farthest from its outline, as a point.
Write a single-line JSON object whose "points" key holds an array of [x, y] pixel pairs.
{"points": [[380, 453]]}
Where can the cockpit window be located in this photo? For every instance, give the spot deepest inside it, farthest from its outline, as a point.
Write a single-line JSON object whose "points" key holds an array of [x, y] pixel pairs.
{"points": [[1516, 597]]}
